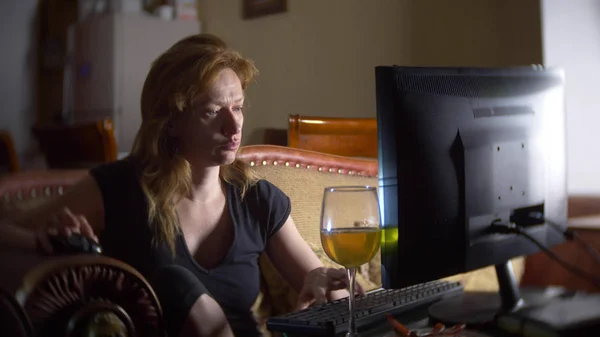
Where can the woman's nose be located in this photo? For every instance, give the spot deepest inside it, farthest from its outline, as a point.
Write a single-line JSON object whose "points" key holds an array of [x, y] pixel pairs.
{"points": [[232, 124], [231, 131]]}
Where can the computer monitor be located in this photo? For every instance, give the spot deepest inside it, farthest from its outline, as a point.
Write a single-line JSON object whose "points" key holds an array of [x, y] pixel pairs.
{"points": [[461, 148]]}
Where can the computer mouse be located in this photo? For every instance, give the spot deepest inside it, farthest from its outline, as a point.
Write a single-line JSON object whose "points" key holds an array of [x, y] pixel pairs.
{"points": [[74, 244]]}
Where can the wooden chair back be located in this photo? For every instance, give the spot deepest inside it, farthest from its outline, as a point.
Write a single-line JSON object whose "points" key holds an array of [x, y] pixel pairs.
{"points": [[9, 161], [77, 146], [350, 137]]}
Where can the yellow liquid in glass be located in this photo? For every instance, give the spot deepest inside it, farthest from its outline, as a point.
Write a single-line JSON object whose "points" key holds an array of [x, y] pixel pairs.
{"points": [[351, 247]]}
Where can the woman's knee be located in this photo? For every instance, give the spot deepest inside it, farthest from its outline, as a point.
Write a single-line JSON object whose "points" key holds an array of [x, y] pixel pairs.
{"points": [[187, 304], [206, 318]]}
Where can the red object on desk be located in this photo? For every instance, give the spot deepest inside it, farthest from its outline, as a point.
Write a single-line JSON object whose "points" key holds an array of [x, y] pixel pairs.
{"points": [[438, 330]]}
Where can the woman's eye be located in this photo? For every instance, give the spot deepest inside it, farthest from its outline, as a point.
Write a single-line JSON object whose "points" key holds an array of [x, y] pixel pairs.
{"points": [[212, 113], [239, 109]]}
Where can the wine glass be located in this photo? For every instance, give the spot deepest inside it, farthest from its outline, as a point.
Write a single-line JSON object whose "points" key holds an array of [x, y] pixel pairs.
{"points": [[350, 231]]}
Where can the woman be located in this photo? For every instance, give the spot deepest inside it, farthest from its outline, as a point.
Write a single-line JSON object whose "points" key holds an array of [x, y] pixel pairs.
{"points": [[182, 210]]}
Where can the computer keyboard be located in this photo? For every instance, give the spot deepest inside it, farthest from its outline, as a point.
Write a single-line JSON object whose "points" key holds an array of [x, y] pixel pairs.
{"points": [[331, 318]]}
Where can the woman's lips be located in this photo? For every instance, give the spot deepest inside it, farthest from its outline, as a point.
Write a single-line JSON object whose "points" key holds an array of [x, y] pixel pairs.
{"points": [[231, 145]]}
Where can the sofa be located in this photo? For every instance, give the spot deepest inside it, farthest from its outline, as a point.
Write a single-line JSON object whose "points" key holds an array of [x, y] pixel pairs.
{"points": [[101, 289]]}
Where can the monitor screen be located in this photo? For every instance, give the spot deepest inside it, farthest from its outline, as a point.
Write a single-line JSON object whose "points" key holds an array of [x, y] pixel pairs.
{"points": [[460, 148]]}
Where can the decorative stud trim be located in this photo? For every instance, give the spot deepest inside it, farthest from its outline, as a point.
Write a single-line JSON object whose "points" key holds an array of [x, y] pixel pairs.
{"points": [[276, 162]]}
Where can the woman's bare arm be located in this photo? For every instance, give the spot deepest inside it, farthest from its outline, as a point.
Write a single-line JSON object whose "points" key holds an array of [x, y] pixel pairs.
{"points": [[291, 255], [294, 259], [17, 232]]}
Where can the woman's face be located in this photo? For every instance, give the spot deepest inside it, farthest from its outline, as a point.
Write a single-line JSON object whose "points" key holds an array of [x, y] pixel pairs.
{"points": [[211, 134]]}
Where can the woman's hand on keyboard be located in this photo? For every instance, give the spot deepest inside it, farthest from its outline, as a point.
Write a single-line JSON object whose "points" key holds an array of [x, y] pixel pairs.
{"points": [[322, 284]]}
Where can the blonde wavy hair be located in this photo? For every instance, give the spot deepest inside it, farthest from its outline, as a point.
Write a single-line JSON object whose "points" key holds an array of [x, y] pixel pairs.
{"points": [[176, 77]]}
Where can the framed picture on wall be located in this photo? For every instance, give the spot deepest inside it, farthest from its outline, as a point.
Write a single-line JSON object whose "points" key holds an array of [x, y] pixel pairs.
{"points": [[257, 8]]}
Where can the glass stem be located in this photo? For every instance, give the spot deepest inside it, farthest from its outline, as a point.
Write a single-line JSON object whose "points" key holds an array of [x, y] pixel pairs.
{"points": [[351, 323]]}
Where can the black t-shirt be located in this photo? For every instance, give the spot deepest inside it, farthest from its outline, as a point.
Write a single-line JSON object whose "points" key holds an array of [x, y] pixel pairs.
{"points": [[235, 282]]}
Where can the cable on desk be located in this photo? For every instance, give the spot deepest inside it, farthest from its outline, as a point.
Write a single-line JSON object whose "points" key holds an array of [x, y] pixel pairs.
{"points": [[503, 228], [569, 234]]}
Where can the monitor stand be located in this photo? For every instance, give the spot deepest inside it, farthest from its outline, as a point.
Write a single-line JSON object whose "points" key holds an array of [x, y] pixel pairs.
{"points": [[476, 308], [558, 312]]}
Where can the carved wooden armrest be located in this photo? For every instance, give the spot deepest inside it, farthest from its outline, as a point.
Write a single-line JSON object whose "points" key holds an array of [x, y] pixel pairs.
{"points": [[13, 320], [86, 295]]}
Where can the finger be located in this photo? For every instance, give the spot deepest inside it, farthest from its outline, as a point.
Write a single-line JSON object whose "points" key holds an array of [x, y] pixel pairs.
{"points": [[338, 294], [359, 288], [64, 231], [305, 299], [86, 228], [337, 273], [337, 278], [337, 285], [69, 219], [319, 294], [303, 304]]}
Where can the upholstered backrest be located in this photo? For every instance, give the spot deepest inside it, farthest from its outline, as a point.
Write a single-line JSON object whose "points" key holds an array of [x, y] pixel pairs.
{"points": [[303, 176]]}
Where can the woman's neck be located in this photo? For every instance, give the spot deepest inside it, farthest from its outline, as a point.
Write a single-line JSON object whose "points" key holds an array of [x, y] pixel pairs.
{"points": [[206, 185]]}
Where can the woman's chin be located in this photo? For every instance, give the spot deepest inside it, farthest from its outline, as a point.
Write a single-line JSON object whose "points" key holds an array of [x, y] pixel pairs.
{"points": [[226, 157]]}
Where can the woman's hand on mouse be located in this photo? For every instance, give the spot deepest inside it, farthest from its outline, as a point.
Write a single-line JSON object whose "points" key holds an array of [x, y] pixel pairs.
{"points": [[63, 223]]}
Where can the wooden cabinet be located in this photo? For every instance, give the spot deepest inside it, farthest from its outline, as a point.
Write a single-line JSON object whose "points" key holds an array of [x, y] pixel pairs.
{"points": [[53, 20]]}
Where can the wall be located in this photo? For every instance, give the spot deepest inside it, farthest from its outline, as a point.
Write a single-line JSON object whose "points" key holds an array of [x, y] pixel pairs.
{"points": [[17, 71], [571, 39], [318, 58]]}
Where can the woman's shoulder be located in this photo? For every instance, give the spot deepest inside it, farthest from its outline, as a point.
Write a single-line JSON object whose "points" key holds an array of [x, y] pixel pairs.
{"points": [[124, 164], [266, 190], [116, 172], [268, 204]]}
